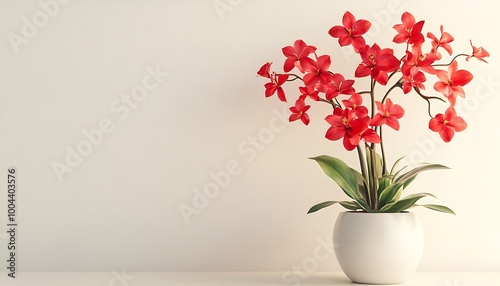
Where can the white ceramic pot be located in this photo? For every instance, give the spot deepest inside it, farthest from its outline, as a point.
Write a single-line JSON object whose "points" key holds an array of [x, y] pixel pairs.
{"points": [[378, 248]]}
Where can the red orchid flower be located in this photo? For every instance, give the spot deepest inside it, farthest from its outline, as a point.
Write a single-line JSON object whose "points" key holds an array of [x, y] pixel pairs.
{"points": [[444, 42], [413, 80], [296, 55], [452, 81], [308, 91], [275, 85], [416, 60], [299, 112], [351, 32], [338, 85], [389, 114], [376, 63], [447, 124], [317, 71], [341, 120], [369, 135], [479, 53], [355, 103], [352, 129], [409, 31], [265, 70]]}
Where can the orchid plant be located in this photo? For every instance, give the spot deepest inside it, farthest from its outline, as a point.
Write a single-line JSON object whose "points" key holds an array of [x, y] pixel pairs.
{"points": [[374, 188]]}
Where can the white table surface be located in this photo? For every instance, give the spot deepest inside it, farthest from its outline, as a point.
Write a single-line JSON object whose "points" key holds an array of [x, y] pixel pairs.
{"points": [[124, 278]]}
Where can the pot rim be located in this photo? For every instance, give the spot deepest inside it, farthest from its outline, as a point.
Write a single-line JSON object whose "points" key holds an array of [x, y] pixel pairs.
{"points": [[379, 213]]}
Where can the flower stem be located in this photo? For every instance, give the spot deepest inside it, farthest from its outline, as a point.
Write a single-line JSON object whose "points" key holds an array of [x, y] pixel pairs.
{"points": [[427, 98], [294, 77], [384, 164], [371, 169], [397, 84], [329, 102], [372, 175], [364, 172], [372, 98], [445, 65]]}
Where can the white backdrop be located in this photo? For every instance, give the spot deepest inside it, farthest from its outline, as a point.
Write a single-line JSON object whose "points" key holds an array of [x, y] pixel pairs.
{"points": [[118, 114]]}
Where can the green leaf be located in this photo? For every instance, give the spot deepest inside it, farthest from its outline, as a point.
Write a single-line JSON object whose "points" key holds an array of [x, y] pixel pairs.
{"points": [[413, 173], [346, 204], [341, 173], [362, 203], [409, 181], [387, 195], [362, 185], [371, 154], [399, 171], [384, 182], [395, 164], [353, 206], [397, 196], [374, 164], [319, 206], [438, 208], [405, 203]]}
